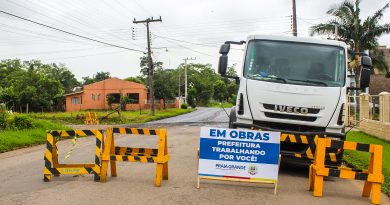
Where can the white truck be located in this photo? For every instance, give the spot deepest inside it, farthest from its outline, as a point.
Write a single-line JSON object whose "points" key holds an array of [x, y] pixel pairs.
{"points": [[294, 85]]}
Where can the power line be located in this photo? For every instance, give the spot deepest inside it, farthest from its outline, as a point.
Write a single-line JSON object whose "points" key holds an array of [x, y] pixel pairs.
{"points": [[70, 33], [199, 44], [82, 56]]}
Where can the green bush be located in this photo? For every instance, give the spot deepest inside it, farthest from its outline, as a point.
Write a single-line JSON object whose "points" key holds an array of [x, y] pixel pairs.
{"points": [[19, 122], [3, 119], [184, 106]]}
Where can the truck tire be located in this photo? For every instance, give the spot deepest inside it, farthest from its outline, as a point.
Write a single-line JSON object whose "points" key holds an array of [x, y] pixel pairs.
{"points": [[232, 118]]}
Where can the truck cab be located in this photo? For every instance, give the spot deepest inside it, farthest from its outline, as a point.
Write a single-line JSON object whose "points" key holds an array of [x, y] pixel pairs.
{"points": [[294, 85]]}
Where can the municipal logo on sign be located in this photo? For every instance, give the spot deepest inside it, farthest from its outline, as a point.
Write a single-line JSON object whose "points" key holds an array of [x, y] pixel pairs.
{"points": [[252, 170]]}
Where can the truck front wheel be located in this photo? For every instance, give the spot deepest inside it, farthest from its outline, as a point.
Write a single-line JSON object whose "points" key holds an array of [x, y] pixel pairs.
{"points": [[232, 118]]}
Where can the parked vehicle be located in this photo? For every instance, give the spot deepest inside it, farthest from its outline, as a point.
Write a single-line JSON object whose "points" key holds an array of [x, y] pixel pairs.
{"points": [[293, 85]]}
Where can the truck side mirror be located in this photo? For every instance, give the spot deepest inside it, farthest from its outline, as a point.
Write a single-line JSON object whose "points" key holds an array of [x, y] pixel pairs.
{"points": [[222, 65], [223, 59], [365, 72]]}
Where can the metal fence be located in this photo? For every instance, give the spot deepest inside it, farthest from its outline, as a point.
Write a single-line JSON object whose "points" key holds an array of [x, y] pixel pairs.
{"points": [[353, 109]]}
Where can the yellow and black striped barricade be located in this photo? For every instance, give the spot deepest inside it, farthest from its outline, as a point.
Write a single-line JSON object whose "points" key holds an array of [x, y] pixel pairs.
{"points": [[308, 144], [88, 118], [112, 153], [373, 177], [52, 167], [310, 140], [95, 119]]}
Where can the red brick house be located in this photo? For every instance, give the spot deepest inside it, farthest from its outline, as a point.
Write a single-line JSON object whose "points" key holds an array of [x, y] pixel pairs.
{"points": [[94, 96]]}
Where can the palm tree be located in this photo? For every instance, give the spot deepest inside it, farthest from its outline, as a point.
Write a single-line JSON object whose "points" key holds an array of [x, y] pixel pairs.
{"points": [[349, 27]]}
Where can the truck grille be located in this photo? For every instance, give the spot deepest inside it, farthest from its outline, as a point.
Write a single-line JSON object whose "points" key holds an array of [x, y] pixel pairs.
{"points": [[310, 110], [288, 127], [290, 117]]}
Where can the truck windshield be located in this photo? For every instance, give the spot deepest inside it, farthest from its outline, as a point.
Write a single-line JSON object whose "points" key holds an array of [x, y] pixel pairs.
{"points": [[295, 63]]}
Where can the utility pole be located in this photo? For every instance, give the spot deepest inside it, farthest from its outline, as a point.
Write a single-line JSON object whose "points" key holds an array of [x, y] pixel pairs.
{"points": [[179, 89], [185, 75], [295, 32], [150, 70]]}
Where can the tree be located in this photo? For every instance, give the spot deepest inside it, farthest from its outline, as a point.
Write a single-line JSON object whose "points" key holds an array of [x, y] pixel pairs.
{"points": [[110, 100], [137, 79], [220, 91], [192, 97], [99, 76], [164, 84], [34, 84], [202, 77], [379, 61], [232, 89], [359, 35]]}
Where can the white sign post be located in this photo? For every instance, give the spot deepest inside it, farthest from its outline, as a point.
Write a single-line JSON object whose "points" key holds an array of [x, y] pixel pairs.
{"points": [[239, 155]]}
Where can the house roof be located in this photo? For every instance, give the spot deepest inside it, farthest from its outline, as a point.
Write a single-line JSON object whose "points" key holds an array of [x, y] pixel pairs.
{"points": [[74, 93], [110, 84]]}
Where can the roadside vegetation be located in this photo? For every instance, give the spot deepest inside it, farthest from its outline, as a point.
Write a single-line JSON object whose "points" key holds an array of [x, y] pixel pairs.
{"points": [[13, 138], [218, 104], [361, 159], [32, 86], [127, 117]]}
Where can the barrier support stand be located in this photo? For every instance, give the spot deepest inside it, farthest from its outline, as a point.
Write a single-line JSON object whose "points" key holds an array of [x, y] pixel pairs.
{"points": [[162, 168], [373, 177], [53, 167], [112, 153]]}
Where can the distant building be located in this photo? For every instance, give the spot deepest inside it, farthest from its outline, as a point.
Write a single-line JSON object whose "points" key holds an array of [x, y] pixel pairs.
{"points": [[94, 96], [379, 83]]}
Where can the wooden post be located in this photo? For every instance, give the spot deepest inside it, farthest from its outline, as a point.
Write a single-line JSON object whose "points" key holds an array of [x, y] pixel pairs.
{"points": [[384, 107]]}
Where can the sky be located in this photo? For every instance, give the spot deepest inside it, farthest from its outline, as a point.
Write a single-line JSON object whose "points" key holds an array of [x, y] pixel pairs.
{"points": [[189, 29]]}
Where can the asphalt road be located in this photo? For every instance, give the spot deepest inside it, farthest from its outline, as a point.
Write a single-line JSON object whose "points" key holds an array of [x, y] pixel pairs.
{"points": [[201, 117], [21, 177]]}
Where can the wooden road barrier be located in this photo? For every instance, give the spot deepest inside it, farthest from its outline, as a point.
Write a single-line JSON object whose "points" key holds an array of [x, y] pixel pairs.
{"points": [[112, 153], [52, 167], [373, 177], [91, 119]]}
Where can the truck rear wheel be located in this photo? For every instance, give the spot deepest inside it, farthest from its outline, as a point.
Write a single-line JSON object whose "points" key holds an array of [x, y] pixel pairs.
{"points": [[232, 118]]}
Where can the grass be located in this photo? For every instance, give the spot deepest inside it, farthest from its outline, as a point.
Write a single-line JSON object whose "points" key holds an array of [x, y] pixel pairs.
{"points": [[13, 139], [361, 159], [218, 104], [128, 117]]}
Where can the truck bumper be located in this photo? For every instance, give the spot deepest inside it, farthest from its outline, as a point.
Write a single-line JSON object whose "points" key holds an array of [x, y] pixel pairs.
{"points": [[302, 144]]}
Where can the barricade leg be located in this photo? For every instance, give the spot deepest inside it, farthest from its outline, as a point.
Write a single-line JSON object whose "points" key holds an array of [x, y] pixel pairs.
{"points": [[367, 189], [318, 185], [47, 177], [165, 165], [376, 169], [55, 157], [368, 185], [106, 155], [376, 193], [165, 171], [112, 162], [311, 178], [159, 173], [319, 163]]}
